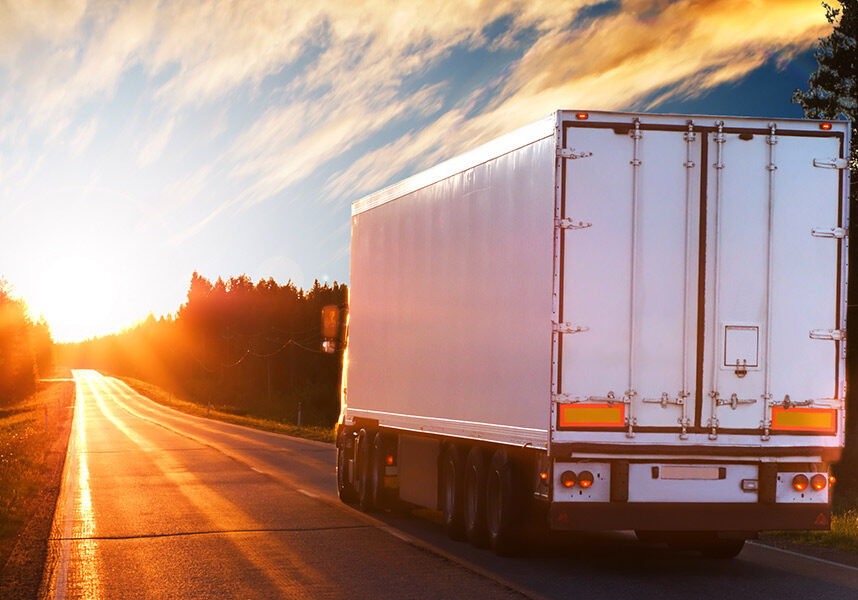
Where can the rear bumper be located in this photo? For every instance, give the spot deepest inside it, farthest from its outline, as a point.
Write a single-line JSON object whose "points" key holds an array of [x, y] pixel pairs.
{"points": [[684, 516]]}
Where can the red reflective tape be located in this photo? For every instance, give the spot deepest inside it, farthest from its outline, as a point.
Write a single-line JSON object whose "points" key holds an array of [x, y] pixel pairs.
{"points": [[591, 415], [822, 420]]}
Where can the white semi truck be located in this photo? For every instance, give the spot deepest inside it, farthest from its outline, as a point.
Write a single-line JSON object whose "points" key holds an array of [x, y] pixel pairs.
{"points": [[605, 321]]}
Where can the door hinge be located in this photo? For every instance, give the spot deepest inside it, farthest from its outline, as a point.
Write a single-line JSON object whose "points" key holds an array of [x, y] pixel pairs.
{"points": [[830, 163], [568, 328], [835, 335], [829, 232], [571, 154], [571, 224]]}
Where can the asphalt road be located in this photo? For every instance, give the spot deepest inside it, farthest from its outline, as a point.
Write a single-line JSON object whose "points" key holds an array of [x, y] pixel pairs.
{"points": [[159, 504]]}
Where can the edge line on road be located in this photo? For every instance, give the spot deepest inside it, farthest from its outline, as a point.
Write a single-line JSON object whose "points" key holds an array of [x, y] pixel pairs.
{"points": [[425, 546], [211, 532], [800, 555]]}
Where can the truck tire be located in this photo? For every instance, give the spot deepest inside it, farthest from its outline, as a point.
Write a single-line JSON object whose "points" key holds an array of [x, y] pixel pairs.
{"points": [[363, 454], [706, 542], [453, 492], [502, 506], [646, 536], [476, 470], [377, 492], [721, 549], [345, 490]]}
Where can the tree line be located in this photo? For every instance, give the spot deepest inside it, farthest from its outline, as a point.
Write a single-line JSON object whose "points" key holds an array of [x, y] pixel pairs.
{"points": [[244, 347], [26, 349]]}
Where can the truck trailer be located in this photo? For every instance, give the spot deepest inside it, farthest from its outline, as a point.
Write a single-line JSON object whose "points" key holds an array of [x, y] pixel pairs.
{"points": [[604, 321]]}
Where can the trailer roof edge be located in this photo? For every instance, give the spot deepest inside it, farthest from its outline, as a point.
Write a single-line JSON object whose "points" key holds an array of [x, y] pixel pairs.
{"points": [[505, 144]]}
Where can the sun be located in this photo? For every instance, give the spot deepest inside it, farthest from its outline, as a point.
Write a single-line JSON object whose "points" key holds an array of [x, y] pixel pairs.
{"points": [[77, 297]]}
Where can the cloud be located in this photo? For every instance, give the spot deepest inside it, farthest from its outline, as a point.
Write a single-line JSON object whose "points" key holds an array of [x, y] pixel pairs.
{"points": [[26, 20], [684, 49], [313, 80], [154, 146], [83, 137]]}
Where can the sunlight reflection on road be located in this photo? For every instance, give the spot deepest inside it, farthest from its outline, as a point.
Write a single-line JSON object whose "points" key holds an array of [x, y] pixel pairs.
{"points": [[84, 581]]}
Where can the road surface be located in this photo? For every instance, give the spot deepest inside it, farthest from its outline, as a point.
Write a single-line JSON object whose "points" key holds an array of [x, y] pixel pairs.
{"points": [[159, 504]]}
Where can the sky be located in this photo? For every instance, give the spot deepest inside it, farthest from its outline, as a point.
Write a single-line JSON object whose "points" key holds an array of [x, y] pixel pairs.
{"points": [[142, 141]]}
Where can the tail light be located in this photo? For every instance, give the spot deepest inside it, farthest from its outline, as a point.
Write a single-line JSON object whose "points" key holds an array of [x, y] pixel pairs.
{"points": [[818, 482], [799, 482], [567, 478], [585, 479]]}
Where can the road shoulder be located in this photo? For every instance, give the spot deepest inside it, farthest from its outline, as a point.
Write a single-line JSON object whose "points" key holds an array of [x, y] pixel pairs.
{"points": [[22, 572]]}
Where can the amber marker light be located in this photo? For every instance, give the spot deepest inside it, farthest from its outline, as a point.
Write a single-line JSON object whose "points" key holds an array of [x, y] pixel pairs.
{"points": [[831, 479], [389, 460], [582, 116], [818, 482], [585, 479], [567, 478], [799, 482], [825, 126], [543, 475]]}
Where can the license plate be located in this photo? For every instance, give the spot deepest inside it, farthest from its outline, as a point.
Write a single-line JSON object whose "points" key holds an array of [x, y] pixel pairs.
{"points": [[689, 472]]}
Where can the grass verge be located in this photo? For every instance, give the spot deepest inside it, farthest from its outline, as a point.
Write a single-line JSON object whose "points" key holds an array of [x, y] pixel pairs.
{"points": [[843, 534], [33, 440], [200, 409]]}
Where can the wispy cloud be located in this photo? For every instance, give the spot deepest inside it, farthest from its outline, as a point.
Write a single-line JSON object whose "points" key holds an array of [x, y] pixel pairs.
{"points": [[286, 89], [155, 144], [83, 136], [683, 50]]}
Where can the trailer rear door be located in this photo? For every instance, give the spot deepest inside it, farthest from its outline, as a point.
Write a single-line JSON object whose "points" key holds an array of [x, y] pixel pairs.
{"points": [[699, 277]]}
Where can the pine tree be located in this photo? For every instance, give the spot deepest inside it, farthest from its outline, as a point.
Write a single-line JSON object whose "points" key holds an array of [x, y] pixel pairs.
{"points": [[832, 93]]}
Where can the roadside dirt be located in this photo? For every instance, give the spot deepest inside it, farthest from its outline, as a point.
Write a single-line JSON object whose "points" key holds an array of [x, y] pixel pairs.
{"points": [[22, 556]]}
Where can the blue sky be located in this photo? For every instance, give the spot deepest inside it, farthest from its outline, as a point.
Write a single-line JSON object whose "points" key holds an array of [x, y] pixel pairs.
{"points": [[143, 140]]}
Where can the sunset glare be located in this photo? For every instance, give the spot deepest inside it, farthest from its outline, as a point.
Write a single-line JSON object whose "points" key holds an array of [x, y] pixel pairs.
{"points": [[142, 141]]}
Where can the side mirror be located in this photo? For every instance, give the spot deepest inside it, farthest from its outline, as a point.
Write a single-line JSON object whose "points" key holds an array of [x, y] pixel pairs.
{"points": [[331, 328]]}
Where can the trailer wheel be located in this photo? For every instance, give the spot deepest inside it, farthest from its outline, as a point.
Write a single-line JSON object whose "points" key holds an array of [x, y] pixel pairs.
{"points": [[345, 490], [377, 492], [706, 542], [501, 504], [721, 549], [475, 497], [646, 536], [363, 452], [453, 492]]}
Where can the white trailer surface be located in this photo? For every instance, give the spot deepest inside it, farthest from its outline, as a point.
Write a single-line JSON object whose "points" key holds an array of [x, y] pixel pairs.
{"points": [[626, 289]]}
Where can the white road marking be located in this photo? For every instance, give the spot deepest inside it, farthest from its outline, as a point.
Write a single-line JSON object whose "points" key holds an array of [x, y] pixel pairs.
{"points": [[807, 556], [68, 519], [397, 534], [308, 494]]}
